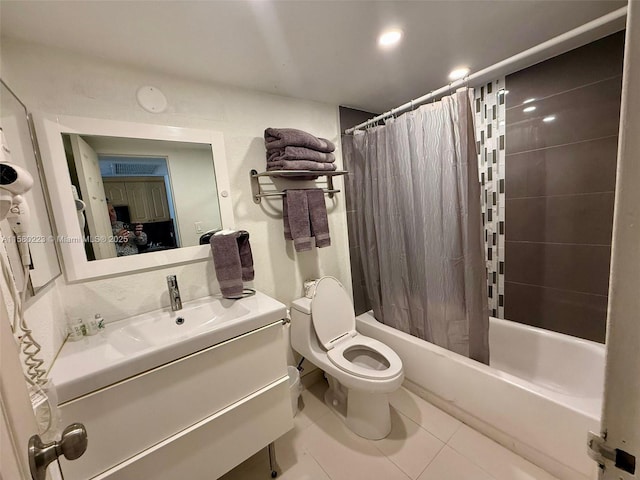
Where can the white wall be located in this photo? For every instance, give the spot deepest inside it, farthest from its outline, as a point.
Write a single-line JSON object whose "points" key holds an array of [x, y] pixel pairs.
{"points": [[194, 193], [55, 81]]}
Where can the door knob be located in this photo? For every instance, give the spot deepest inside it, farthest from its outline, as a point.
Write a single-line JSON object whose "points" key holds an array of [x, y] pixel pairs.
{"points": [[72, 445]]}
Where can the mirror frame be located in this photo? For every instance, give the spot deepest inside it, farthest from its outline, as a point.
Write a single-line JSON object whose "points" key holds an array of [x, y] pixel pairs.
{"points": [[76, 266], [46, 264]]}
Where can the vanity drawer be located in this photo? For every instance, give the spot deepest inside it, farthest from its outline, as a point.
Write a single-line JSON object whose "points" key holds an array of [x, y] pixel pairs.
{"points": [[217, 444], [135, 414]]}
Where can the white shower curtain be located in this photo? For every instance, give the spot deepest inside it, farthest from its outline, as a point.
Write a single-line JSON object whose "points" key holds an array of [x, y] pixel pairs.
{"points": [[417, 194]]}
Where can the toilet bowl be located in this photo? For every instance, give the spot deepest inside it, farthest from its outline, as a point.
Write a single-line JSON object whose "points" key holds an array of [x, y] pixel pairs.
{"points": [[361, 370]]}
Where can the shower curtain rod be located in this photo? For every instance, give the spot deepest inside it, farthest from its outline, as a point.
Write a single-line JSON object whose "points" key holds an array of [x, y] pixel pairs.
{"points": [[521, 60]]}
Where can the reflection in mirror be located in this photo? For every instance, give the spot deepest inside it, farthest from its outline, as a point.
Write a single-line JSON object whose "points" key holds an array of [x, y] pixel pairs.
{"points": [[135, 196]]}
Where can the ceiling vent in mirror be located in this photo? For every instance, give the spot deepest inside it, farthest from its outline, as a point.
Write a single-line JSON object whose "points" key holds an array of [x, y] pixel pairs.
{"points": [[134, 169]]}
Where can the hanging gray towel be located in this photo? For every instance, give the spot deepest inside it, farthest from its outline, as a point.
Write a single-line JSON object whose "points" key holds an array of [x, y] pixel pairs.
{"points": [[246, 257], [298, 218], [233, 261], [318, 217], [282, 137], [285, 219], [309, 218]]}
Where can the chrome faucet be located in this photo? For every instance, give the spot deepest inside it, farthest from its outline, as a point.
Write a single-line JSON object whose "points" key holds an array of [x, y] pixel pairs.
{"points": [[174, 293]]}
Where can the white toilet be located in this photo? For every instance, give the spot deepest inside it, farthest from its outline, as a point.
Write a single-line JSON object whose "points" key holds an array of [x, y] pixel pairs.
{"points": [[361, 370]]}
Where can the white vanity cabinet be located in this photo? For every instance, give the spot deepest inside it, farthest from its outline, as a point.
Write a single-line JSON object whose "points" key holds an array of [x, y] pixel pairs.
{"points": [[193, 418]]}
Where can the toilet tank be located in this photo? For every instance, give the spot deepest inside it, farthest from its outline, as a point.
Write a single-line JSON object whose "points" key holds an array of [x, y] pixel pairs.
{"points": [[302, 332]]}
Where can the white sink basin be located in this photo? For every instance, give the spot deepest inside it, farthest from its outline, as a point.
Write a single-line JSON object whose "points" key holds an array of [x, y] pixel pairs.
{"points": [[131, 346], [160, 328]]}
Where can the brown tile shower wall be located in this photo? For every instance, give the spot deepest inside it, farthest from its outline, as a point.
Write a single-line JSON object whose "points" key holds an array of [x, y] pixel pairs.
{"points": [[560, 180], [350, 117]]}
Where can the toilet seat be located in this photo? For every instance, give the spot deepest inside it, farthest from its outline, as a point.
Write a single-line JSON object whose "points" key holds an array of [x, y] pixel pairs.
{"points": [[334, 321], [367, 344]]}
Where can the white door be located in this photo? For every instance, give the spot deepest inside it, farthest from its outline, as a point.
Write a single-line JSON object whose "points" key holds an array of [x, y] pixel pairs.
{"points": [[17, 422], [158, 203], [619, 442], [138, 202], [92, 191]]}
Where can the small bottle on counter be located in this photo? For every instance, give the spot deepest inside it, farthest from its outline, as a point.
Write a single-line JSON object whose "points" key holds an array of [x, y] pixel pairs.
{"points": [[76, 329], [99, 321], [92, 326]]}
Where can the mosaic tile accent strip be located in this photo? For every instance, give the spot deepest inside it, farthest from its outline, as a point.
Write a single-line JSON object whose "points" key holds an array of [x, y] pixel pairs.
{"points": [[490, 142]]}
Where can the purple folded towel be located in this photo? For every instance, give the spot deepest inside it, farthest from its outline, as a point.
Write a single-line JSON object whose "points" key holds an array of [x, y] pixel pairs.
{"points": [[299, 153], [282, 137], [304, 215], [298, 218], [233, 261], [301, 165]]}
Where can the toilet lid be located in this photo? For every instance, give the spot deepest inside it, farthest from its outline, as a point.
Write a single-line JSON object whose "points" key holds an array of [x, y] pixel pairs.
{"points": [[332, 312]]}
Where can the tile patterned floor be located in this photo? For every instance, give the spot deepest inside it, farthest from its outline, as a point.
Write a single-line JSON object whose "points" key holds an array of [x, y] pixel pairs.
{"points": [[424, 444]]}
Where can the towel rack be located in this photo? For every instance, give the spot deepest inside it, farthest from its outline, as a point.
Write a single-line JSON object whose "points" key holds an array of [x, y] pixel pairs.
{"points": [[258, 193]]}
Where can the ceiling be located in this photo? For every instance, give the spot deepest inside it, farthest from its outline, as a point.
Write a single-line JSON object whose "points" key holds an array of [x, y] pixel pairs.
{"points": [[319, 50]]}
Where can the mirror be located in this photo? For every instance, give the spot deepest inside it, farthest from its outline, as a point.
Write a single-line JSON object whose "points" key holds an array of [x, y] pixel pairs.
{"points": [[129, 197], [17, 128], [142, 195]]}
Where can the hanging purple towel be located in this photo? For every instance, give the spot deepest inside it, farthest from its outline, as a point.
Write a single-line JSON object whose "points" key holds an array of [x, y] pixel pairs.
{"points": [[233, 261], [298, 218], [309, 219], [318, 217], [285, 218]]}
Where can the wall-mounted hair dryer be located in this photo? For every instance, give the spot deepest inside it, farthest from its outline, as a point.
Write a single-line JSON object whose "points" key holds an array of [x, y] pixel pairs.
{"points": [[14, 181]]}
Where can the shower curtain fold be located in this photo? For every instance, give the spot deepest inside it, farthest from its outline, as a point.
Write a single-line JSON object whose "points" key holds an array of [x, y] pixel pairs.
{"points": [[419, 224]]}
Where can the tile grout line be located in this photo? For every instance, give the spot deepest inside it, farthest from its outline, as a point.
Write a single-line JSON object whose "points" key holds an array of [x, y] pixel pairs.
{"points": [[305, 448], [421, 428], [562, 195], [557, 289], [433, 459], [559, 145], [469, 459], [570, 90], [561, 243], [501, 447]]}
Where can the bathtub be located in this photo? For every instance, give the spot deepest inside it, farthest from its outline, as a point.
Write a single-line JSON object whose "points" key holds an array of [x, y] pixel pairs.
{"points": [[540, 396]]}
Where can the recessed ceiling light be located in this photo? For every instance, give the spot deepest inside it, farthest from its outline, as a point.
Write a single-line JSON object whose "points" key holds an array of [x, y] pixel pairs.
{"points": [[459, 73], [528, 109], [390, 38], [529, 100], [548, 119]]}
